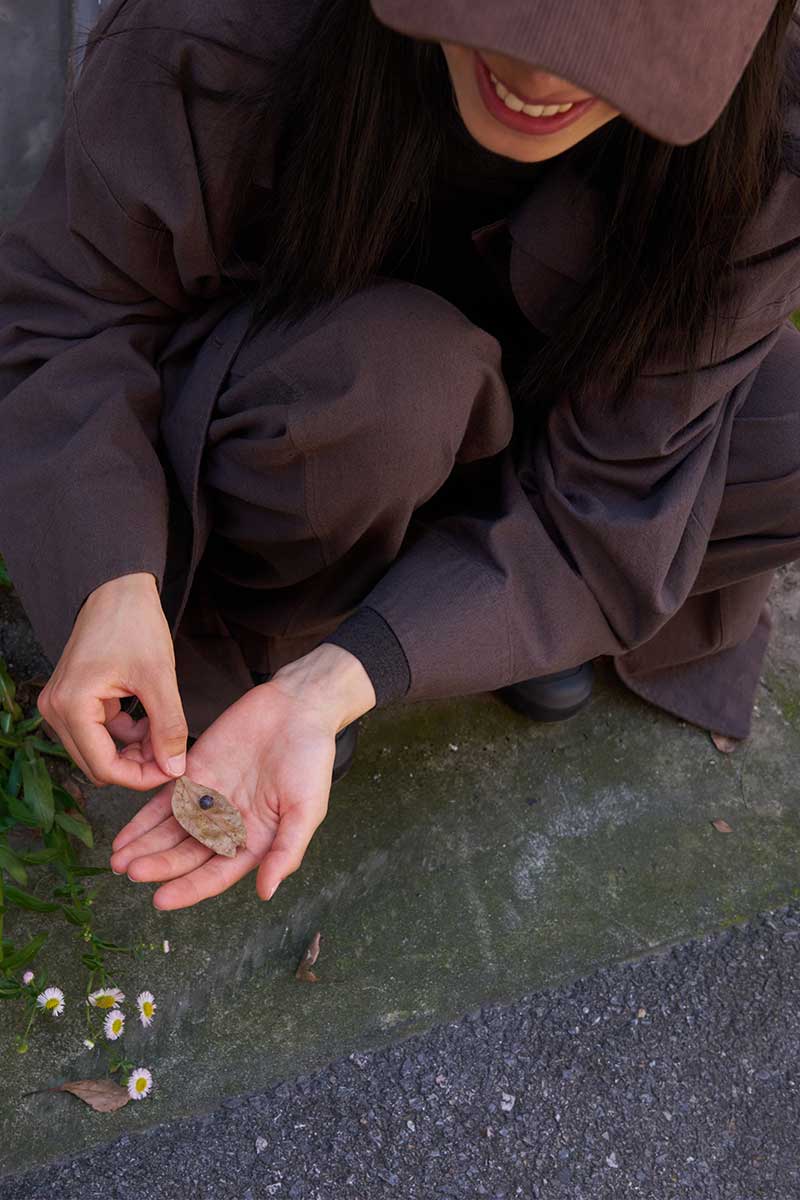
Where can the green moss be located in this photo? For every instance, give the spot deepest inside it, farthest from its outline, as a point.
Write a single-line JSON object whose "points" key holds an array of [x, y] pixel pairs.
{"points": [[787, 698], [470, 857]]}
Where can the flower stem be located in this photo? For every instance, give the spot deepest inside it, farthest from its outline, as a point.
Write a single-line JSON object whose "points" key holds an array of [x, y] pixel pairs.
{"points": [[23, 1041]]}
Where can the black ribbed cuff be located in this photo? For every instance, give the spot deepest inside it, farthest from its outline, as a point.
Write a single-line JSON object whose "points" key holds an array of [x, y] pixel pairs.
{"points": [[368, 636]]}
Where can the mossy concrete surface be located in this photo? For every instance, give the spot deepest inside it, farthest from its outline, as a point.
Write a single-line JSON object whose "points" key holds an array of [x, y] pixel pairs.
{"points": [[470, 856]]}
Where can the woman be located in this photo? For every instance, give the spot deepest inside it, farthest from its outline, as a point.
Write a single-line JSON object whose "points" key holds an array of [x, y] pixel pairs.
{"points": [[254, 400]]}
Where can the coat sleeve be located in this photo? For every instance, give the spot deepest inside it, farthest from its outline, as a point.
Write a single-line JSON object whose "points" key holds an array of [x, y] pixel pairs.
{"points": [[591, 545], [125, 235]]}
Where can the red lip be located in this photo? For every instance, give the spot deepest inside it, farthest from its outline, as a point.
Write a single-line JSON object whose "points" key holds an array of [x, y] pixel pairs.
{"points": [[520, 121]]}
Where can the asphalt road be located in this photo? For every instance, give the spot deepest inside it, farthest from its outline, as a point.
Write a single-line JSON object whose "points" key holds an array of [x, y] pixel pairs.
{"points": [[671, 1077]]}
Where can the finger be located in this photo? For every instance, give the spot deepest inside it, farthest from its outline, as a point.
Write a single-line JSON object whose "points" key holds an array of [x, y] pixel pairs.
{"points": [[213, 877], [96, 746], [186, 856], [149, 815], [134, 752], [59, 727], [112, 707], [141, 752], [123, 728], [68, 742], [162, 837], [290, 843], [168, 729]]}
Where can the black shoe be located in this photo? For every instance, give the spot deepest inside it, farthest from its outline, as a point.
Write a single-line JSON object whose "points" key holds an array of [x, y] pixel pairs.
{"points": [[346, 739], [551, 697]]}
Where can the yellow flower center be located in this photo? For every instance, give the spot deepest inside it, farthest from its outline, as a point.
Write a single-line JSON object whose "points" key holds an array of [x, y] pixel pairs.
{"points": [[148, 1008], [52, 1002], [141, 1084], [116, 1026], [105, 1002]]}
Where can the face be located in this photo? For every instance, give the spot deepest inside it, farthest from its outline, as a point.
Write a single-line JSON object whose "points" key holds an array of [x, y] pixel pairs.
{"points": [[518, 110]]}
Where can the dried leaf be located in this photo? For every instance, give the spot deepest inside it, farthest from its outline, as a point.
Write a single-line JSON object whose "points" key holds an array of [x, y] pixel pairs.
{"points": [[725, 744], [217, 824], [721, 826], [304, 971], [74, 789], [103, 1095]]}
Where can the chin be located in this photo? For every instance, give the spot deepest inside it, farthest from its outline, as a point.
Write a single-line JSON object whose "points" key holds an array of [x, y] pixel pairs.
{"points": [[518, 146]]}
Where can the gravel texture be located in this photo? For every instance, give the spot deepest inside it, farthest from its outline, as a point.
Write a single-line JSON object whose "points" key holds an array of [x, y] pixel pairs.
{"points": [[669, 1077]]}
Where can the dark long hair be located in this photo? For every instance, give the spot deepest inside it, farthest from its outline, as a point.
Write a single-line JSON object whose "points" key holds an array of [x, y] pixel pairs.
{"points": [[368, 110], [355, 174]]}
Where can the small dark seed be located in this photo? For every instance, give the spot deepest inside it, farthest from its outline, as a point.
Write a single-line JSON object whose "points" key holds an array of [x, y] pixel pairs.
{"points": [[206, 801]]}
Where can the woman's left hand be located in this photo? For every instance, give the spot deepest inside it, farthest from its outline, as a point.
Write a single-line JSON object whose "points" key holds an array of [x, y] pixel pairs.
{"points": [[271, 753]]}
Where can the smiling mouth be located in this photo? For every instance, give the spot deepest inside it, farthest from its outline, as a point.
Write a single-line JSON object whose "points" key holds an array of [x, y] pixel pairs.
{"points": [[524, 114], [517, 104]]}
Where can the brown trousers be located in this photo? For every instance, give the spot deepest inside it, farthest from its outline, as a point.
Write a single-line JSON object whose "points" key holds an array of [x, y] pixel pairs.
{"points": [[300, 536]]}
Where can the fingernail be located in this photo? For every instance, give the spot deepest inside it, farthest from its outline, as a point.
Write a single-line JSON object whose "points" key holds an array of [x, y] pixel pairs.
{"points": [[113, 872], [274, 890], [177, 765]]}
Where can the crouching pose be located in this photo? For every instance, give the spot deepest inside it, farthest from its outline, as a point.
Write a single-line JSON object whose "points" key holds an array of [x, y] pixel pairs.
{"points": [[358, 351]]}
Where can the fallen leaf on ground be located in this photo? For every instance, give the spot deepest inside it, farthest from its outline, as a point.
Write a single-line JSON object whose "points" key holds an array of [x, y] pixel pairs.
{"points": [[208, 816], [75, 790], [103, 1095], [725, 744], [304, 971], [721, 826]]}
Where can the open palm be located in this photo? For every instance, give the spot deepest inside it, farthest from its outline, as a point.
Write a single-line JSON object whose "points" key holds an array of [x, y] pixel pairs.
{"points": [[272, 757]]}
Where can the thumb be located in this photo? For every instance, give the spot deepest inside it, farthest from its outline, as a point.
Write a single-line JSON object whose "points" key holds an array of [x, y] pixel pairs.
{"points": [[296, 828], [168, 729]]}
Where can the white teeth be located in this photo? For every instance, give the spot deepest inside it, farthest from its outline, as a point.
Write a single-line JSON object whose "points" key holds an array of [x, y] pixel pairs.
{"points": [[516, 105]]}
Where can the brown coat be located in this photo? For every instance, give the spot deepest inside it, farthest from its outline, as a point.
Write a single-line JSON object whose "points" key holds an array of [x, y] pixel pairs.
{"points": [[121, 265]]}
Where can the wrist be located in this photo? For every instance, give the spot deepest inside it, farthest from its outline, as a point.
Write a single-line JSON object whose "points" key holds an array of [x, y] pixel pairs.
{"points": [[137, 582], [331, 680]]}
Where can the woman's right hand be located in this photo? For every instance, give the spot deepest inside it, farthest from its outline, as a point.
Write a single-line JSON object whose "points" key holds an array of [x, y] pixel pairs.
{"points": [[120, 646]]}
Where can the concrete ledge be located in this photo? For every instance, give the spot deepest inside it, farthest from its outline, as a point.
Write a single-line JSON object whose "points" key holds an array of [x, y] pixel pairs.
{"points": [[469, 857]]}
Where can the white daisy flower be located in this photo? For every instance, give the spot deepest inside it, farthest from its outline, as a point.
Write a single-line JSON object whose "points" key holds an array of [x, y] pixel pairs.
{"points": [[106, 998], [88, 1043], [51, 1000], [139, 1083], [114, 1024], [165, 946], [146, 1004], [27, 977]]}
